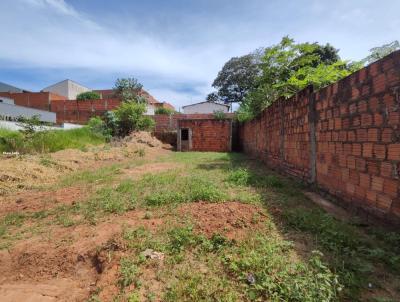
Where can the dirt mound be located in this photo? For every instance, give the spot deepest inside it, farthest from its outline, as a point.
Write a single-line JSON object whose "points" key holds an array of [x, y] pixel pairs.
{"points": [[231, 219], [31, 171], [68, 264]]}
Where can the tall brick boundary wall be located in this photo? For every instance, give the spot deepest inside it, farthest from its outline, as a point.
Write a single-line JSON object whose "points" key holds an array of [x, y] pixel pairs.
{"points": [[344, 138]]}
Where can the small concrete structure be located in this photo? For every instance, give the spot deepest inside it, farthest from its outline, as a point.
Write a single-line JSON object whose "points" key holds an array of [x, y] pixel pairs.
{"points": [[205, 107], [204, 135]]}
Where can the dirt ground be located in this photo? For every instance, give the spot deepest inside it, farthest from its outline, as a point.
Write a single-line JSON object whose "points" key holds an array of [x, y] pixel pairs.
{"points": [[27, 172], [69, 264]]}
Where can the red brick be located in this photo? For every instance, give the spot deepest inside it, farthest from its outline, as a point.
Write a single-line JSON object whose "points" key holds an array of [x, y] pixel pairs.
{"points": [[379, 151], [356, 150], [374, 104], [371, 198], [367, 149], [365, 180], [394, 118], [351, 162], [394, 152], [379, 83], [366, 120], [351, 136], [361, 164], [373, 167], [387, 134], [391, 187], [373, 135], [378, 119], [386, 169], [377, 183], [384, 202], [362, 135], [362, 106]]}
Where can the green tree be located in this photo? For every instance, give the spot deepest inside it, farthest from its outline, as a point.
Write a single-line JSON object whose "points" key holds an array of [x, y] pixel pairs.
{"points": [[128, 89], [130, 117], [289, 67], [236, 78], [379, 52], [88, 95]]}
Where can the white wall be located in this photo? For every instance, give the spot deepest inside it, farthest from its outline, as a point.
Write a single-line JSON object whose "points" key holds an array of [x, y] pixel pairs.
{"points": [[67, 88], [5, 100], [150, 110], [206, 107], [14, 126], [8, 111]]}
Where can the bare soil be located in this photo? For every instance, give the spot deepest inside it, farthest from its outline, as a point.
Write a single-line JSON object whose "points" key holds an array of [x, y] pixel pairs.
{"points": [[231, 219], [27, 172]]}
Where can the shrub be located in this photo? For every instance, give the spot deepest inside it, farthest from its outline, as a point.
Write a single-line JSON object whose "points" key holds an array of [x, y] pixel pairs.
{"points": [[163, 110], [88, 95], [219, 115], [129, 116], [98, 127], [239, 177]]}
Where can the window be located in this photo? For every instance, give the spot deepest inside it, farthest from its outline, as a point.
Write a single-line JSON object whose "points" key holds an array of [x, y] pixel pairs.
{"points": [[184, 134]]}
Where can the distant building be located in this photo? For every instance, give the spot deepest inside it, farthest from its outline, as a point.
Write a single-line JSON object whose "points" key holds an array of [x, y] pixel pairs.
{"points": [[205, 107], [67, 88], [9, 88]]}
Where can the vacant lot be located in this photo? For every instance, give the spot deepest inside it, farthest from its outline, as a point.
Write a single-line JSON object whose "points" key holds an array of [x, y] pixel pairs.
{"points": [[164, 226]]}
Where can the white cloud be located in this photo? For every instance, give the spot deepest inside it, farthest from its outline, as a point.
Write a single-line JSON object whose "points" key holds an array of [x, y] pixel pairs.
{"points": [[184, 49]]}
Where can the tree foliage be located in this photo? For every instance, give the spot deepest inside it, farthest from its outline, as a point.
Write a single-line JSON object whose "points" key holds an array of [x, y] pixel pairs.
{"points": [[130, 117], [379, 52], [88, 95], [289, 67], [236, 78], [128, 89]]}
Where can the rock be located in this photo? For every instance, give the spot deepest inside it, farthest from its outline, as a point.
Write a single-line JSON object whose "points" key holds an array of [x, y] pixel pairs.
{"points": [[251, 279], [149, 253]]}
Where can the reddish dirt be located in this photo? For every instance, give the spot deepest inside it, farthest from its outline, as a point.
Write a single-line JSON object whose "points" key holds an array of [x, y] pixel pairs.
{"points": [[67, 264], [231, 219], [38, 201]]}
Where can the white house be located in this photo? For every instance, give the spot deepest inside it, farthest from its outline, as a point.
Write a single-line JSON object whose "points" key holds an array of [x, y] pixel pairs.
{"points": [[205, 107], [67, 88]]}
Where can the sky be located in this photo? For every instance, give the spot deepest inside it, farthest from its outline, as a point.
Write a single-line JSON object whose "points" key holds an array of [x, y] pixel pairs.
{"points": [[175, 48]]}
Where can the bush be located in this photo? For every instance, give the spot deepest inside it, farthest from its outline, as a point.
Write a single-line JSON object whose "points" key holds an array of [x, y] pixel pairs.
{"points": [[88, 95], [219, 115], [163, 110], [98, 127], [130, 118]]}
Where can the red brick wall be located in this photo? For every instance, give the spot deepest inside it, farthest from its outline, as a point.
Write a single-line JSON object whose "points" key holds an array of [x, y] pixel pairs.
{"points": [[168, 123], [81, 111], [209, 134], [345, 138], [38, 100]]}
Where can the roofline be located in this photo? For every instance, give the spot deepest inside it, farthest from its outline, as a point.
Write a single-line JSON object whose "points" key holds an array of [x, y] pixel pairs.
{"points": [[67, 80], [206, 102]]}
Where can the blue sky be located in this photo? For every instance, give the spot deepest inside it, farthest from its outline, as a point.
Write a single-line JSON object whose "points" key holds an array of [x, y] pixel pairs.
{"points": [[175, 47]]}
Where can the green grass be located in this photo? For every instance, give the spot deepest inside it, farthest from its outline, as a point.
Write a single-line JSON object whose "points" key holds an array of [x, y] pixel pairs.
{"points": [[48, 141], [301, 253]]}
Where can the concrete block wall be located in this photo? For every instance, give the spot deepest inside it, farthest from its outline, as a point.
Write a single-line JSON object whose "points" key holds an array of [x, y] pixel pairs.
{"points": [[345, 138]]}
